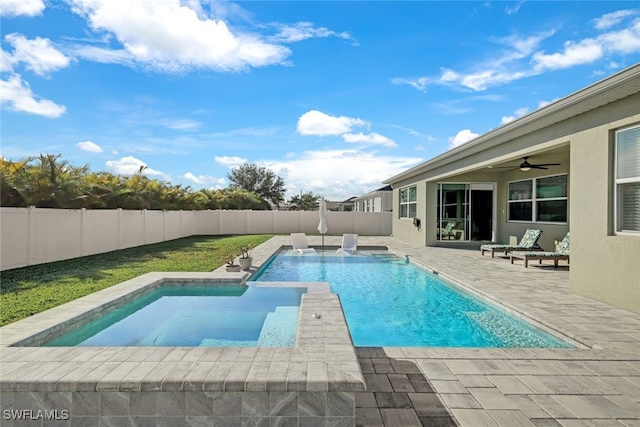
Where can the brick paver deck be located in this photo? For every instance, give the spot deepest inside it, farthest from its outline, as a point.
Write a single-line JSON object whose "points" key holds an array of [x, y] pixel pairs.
{"points": [[397, 394]]}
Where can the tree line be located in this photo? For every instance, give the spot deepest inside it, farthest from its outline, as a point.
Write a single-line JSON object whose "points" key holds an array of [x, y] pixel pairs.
{"points": [[47, 181]]}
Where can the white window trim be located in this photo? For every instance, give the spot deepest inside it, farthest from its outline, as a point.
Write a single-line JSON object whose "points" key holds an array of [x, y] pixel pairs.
{"points": [[534, 200], [407, 203], [620, 181]]}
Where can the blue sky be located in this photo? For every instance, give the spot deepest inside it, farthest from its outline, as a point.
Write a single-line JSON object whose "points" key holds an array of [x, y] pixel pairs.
{"points": [[333, 96]]}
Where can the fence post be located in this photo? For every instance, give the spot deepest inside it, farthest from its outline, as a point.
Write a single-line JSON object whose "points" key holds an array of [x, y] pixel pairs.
{"points": [[30, 220]]}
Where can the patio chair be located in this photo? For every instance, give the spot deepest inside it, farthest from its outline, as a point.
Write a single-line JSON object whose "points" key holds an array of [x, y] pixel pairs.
{"points": [[447, 231], [562, 253], [349, 244], [529, 242], [299, 243]]}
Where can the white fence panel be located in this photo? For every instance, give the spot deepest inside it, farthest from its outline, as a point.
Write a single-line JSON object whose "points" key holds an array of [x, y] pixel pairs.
{"points": [[14, 229], [154, 226], [286, 222], [34, 236], [260, 222], [99, 231], [233, 222], [54, 234], [131, 228]]}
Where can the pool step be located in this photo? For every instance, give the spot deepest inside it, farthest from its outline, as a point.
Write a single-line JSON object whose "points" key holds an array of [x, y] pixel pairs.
{"points": [[279, 328]]}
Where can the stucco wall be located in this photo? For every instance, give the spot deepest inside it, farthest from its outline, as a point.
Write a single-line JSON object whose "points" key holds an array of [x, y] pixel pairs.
{"points": [[403, 228], [604, 266]]}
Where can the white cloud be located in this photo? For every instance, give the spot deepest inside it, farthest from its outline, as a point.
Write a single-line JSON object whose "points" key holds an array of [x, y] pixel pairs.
{"points": [[206, 180], [625, 41], [582, 52], [37, 54], [370, 138], [323, 172], [173, 36], [230, 161], [180, 124], [13, 8], [320, 124], [419, 83], [289, 33], [525, 58], [130, 166], [90, 147], [518, 113], [462, 137], [16, 95], [609, 20], [513, 9]]}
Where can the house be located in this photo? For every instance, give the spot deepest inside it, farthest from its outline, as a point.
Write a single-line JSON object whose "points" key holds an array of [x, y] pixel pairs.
{"points": [[494, 187], [346, 205], [379, 200]]}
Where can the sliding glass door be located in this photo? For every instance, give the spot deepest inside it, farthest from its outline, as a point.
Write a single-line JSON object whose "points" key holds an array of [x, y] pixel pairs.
{"points": [[465, 211]]}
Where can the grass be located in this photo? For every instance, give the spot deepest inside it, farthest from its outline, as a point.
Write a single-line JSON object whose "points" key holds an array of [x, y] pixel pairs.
{"points": [[30, 290]]}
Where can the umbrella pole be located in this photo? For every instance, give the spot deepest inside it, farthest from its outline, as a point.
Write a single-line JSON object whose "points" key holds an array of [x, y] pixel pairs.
{"points": [[322, 243]]}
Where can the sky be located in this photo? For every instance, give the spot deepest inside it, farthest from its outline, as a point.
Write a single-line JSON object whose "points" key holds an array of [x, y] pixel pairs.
{"points": [[333, 96]]}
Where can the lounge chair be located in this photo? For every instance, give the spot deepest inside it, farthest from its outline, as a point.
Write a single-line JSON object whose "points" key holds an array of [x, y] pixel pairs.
{"points": [[349, 244], [447, 231], [299, 243], [562, 253], [529, 242]]}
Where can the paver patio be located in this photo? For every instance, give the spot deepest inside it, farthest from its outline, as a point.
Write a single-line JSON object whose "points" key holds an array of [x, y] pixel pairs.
{"points": [[597, 383]]}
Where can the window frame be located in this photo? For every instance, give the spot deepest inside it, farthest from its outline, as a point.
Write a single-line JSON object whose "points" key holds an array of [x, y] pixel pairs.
{"points": [[621, 181], [408, 203], [534, 200]]}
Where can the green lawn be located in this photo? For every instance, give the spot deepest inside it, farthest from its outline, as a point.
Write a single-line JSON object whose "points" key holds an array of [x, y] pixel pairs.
{"points": [[30, 290]]}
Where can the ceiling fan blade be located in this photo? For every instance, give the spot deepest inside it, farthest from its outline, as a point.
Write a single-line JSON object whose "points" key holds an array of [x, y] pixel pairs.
{"points": [[537, 167], [548, 164]]}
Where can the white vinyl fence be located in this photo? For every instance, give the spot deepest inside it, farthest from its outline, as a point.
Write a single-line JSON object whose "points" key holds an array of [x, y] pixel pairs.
{"points": [[34, 236]]}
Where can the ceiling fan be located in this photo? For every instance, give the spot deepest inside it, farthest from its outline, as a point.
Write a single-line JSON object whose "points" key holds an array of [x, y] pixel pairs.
{"points": [[525, 166]]}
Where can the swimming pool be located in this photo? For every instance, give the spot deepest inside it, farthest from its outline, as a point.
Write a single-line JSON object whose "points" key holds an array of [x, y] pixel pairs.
{"points": [[196, 315], [389, 301]]}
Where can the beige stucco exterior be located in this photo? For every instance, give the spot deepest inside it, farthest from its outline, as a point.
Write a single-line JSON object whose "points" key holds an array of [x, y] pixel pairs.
{"points": [[578, 132]]}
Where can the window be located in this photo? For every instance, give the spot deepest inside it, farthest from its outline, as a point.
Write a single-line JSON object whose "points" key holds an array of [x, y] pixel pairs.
{"points": [[539, 199], [627, 180], [408, 202]]}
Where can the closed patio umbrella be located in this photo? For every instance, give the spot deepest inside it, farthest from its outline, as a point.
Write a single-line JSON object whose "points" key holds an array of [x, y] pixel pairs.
{"points": [[322, 226]]}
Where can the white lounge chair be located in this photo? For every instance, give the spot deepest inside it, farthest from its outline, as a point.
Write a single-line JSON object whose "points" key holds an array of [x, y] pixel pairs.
{"points": [[299, 243], [349, 244]]}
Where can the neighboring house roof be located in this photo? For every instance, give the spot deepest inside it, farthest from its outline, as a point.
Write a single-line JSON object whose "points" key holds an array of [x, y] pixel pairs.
{"points": [[386, 188], [611, 89]]}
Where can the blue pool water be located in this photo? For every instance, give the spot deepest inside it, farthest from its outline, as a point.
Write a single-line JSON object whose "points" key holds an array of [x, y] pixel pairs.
{"points": [[389, 301], [213, 316]]}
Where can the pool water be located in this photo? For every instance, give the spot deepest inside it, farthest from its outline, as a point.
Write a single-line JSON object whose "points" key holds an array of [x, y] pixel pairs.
{"points": [[389, 301], [196, 315]]}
